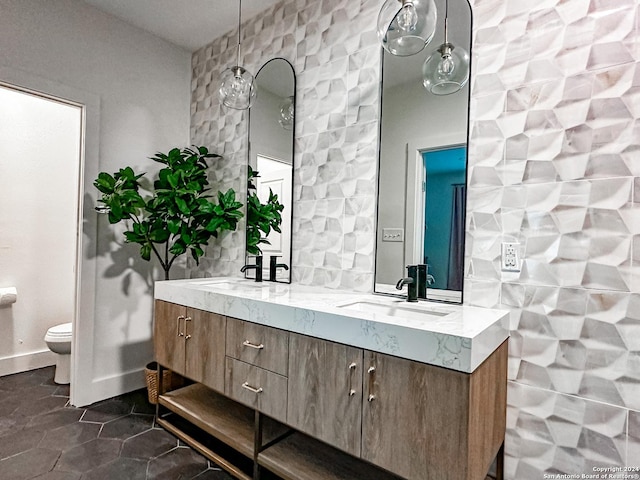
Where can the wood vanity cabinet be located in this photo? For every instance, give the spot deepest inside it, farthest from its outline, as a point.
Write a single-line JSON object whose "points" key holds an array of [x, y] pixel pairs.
{"points": [[190, 342], [416, 420], [422, 421], [291, 404]]}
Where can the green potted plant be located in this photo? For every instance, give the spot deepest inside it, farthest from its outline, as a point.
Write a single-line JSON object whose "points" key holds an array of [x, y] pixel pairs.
{"points": [[177, 215], [261, 217]]}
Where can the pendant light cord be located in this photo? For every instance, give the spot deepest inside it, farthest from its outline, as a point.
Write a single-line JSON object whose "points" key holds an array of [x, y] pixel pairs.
{"points": [[446, 20], [239, 23]]}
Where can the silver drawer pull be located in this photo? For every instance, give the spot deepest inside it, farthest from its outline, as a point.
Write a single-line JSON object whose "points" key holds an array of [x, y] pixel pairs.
{"points": [[247, 343], [352, 367], [179, 333], [251, 389], [371, 371], [187, 336]]}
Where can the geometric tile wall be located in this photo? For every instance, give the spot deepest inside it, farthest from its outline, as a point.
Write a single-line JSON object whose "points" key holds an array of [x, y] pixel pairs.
{"points": [[554, 164], [332, 46], [554, 157]]}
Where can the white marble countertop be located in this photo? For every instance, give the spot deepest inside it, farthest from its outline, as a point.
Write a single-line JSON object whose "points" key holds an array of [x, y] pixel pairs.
{"points": [[458, 337]]}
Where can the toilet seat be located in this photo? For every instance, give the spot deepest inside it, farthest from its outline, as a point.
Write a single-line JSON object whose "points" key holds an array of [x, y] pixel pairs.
{"points": [[63, 330]]}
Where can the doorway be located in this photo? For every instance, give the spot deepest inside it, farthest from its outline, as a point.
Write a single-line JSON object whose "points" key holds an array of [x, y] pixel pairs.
{"points": [[40, 164]]}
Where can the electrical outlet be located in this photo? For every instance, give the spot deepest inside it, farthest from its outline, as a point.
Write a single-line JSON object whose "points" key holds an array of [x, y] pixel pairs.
{"points": [[392, 234], [510, 261]]}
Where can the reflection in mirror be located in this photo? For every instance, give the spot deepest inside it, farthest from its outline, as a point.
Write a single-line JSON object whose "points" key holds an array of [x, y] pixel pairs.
{"points": [[422, 171], [270, 182]]}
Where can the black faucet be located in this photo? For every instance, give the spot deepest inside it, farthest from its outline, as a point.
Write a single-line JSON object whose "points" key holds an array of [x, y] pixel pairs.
{"points": [[411, 281], [422, 280], [257, 267], [274, 266]]}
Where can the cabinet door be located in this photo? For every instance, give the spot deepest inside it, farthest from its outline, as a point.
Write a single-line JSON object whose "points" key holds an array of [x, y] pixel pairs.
{"points": [[415, 418], [168, 335], [325, 391], [205, 339]]}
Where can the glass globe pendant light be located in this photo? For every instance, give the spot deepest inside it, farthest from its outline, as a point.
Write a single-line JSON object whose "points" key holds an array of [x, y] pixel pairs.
{"points": [[237, 89], [287, 114], [446, 70], [405, 27]]}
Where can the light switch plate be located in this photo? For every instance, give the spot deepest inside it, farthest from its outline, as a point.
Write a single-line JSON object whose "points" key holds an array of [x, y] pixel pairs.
{"points": [[393, 234], [510, 261]]}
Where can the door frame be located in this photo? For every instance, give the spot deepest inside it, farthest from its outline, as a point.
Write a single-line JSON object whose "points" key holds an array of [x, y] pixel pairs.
{"points": [[82, 344]]}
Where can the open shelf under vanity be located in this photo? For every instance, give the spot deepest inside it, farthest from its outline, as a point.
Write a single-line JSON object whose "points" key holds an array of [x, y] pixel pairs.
{"points": [[249, 445]]}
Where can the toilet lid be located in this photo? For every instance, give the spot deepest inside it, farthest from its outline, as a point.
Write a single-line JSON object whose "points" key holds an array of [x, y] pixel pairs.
{"points": [[61, 330]]}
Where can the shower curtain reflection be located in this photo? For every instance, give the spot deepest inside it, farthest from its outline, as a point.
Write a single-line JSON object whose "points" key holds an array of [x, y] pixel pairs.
{"points": [[456, 238]]}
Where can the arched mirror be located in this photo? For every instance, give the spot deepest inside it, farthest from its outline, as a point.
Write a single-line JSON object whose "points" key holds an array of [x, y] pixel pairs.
{"points": [[422, 170], [270, 177]]}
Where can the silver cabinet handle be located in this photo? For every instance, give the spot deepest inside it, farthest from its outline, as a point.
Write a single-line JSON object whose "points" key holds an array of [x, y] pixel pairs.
{"points": [[252, 389], [247, 343], [178, 332], [371, 371], [352, 368], [188, 319]]}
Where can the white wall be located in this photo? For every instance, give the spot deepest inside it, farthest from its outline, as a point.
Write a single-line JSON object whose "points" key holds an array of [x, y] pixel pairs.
{"points": [[39, 168], [138, 88]]}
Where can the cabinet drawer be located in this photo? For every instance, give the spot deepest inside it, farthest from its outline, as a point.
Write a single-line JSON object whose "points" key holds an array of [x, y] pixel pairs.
{"points": [[257, 388], [258, 345]]}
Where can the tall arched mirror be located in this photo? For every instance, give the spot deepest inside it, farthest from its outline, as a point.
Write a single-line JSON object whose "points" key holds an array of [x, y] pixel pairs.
{"points": [[270, 177], [422, 169]]}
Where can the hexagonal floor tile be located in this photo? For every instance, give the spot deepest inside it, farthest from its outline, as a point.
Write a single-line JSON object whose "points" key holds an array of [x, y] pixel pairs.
{"points": [[69, 436], [58, 476], [20, 441], [120, 468], [179, 463], [89, 455], [149, 444], [127, 426], [107, 411], [28, 464]]}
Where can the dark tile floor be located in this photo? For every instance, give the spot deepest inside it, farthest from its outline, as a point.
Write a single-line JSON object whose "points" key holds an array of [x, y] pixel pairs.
{"points": [[41, 437]]}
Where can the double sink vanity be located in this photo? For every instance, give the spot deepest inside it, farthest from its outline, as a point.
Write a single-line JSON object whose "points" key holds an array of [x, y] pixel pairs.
{"points": [[299, 382]]}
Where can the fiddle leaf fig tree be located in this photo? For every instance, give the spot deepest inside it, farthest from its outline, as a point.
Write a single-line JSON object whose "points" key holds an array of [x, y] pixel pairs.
{"points": [[261, 217], [177, 215]]}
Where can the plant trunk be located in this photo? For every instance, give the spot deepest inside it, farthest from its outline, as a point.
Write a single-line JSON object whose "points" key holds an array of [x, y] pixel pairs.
{"points": [[166, 273]]}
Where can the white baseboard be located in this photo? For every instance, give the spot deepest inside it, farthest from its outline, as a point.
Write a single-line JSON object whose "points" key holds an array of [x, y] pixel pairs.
{"points": [[108, 387], [26, 362]]}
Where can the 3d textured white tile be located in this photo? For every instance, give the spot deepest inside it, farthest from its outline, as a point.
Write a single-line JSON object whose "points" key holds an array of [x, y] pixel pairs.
{"points": [[553, 156], [332, 45], [552, 433]]}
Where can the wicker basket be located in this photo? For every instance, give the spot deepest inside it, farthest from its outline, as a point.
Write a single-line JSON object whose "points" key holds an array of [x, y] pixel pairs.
{"points": [[151, 375]]}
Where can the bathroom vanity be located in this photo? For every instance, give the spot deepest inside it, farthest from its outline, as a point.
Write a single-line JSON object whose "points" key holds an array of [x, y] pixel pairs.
{"points": [[297, 382]]}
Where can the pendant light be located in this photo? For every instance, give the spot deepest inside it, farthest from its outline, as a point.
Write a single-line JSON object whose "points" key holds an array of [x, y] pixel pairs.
{"points": [[237, 89], [446, 70], [287, 113], [405, 27]]}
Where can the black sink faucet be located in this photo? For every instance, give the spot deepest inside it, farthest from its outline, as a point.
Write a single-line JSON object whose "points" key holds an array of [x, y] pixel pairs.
{"points": [[274, 266], [422, 280], [257, 267], [411, 281]]}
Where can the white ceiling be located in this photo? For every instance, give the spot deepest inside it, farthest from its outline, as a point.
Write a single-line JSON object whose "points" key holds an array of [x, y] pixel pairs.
{"points": [[189, 24]]}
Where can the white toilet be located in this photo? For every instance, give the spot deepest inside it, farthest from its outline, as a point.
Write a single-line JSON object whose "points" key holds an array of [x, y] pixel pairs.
{"points": [[58, 340]]}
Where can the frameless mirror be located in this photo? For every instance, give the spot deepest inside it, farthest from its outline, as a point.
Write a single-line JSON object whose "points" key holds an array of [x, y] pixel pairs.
{"points": [[422, 170], [270, 177]]}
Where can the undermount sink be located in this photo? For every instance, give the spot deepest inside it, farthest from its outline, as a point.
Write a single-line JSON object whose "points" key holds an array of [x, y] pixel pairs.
{"points": [[395, 309], [239, 284]]}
